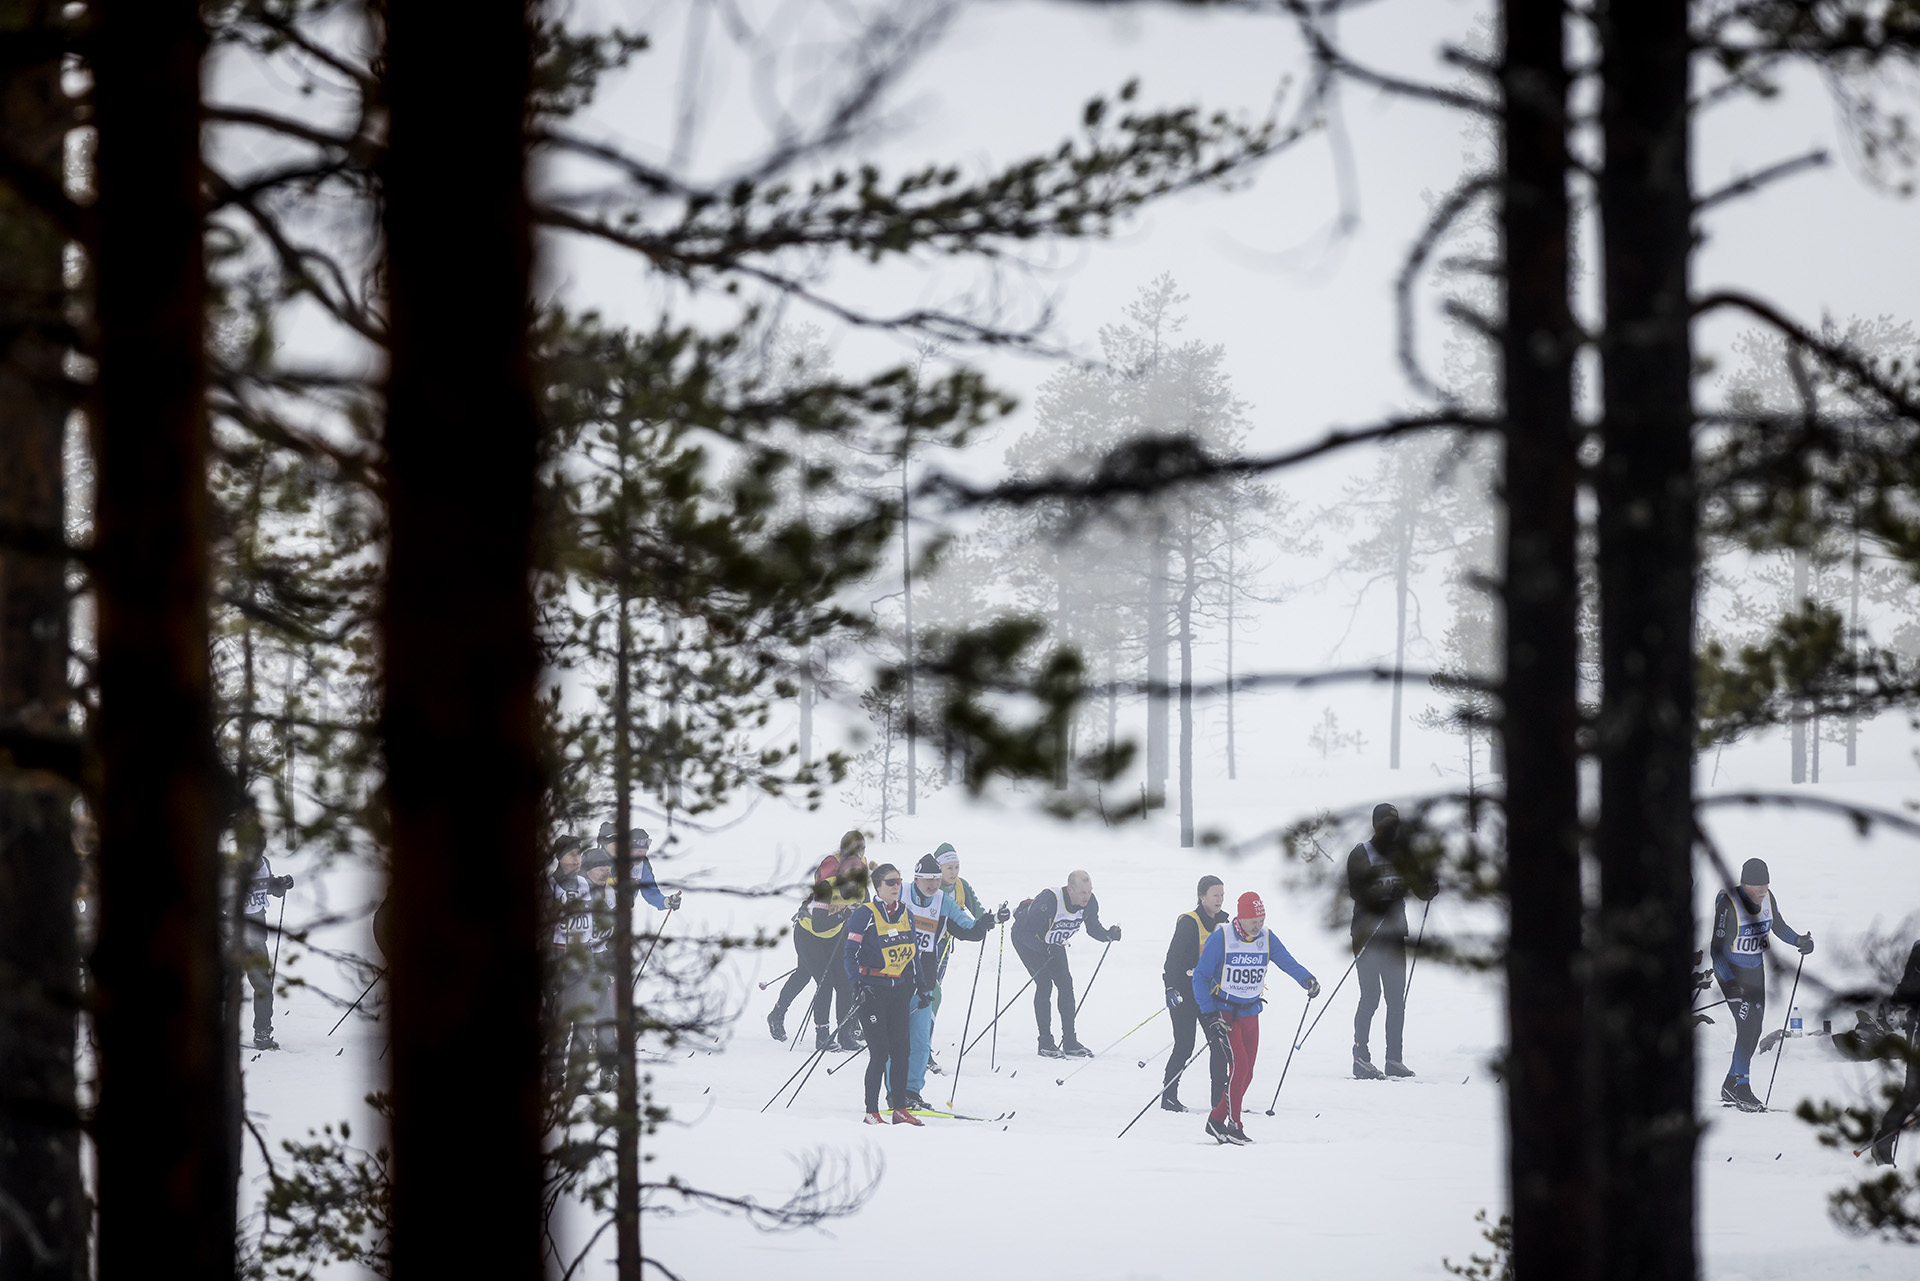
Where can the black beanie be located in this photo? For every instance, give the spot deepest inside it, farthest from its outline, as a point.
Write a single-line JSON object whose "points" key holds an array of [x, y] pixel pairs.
{"points": [[1207, 883], [927, 866], [1384, 810], [1754, 872]]}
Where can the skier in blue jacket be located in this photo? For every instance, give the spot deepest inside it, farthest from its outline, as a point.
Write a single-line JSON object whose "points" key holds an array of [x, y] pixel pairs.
{"points": [[1745, 920], [932, 910], [1227, 983]]}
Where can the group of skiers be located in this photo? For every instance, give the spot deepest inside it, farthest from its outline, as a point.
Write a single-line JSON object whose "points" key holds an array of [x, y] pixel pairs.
{"points": [[580, 980]]}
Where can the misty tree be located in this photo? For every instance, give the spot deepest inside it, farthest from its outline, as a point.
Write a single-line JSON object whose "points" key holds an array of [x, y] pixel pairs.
{"points": [[1328, 739], [879, 774]]}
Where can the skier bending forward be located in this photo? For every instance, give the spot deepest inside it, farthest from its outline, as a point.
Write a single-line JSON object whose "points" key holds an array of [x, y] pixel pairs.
{"points": [[1226, 986]]}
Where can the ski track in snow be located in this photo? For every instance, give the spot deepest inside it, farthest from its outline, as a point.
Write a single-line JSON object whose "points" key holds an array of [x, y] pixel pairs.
{"points": [[1352, 1180]]}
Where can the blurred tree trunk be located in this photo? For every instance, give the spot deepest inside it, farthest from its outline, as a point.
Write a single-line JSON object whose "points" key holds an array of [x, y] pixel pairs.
{"points": [[39, 955], [1549, 1134], [1647, 572], [1157, 666], [165, 1166], [463, 781], [1189, 589], [1401, 570]]}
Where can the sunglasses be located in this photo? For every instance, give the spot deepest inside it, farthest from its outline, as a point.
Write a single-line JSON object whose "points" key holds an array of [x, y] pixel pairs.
{"points": [[891, 881]]}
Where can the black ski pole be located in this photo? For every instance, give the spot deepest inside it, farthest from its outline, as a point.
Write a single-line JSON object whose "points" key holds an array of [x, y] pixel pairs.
{"points": [[1337, 986], [1894, 1133], [1156, 1054], [1116, 1040], [996, 1018], [1768, 1101], [851, 1056], [812, 1058], [967, 1024], [356, 1002], [1205, 1045], [1296, 1045], [1090, 982], [775, 979], [1418, 939], [1716, 1005], [993, 1050]]}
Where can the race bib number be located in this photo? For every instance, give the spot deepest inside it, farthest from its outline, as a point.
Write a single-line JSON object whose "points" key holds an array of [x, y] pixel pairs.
{"points": [[1749, 944], [257, 901], [1062, 931], [1242, 976], [898, 956], [923, 939]]}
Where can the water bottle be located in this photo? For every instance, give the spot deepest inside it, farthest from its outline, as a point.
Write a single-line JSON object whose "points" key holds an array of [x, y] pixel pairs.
{"points": [[1794, 1027]]}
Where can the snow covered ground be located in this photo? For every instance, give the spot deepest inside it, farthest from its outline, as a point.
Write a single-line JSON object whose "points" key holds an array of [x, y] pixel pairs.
{"points": [[1348, 1179]]}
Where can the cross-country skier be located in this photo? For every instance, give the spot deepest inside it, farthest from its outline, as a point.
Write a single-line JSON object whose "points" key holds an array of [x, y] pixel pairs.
{"points": [[572, 996], [254, 933], [1906, 996], [817, 931], [1227, 983], [639, 846], [1746, 919], [1190, 932], [1041, 929], [962, 893], [933, 911], [883, 962], [1380, 941], [853, 885]]}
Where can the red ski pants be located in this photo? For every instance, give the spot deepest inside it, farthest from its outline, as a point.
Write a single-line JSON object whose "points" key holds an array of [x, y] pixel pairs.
{"points": [[1243, 1036]]}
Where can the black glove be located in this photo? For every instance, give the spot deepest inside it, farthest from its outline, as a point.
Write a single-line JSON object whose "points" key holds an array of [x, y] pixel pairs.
{"points": [[1805, 944], [673, 901], [1217, 1032], [1173, 998], [281, 884], [1313, 987], [926, 999], [1113, 934], [1003, 915]]}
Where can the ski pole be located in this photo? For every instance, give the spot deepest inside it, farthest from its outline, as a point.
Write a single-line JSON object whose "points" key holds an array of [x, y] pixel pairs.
{"points": [[279, 929], [1894, 1133], [1716, 1005], [1296, 1045], [1768, 1101], [993, 1050], [843, 1062], [1204, 1047], [1337, 986], [1156, 1054], [656, 943], [966, 1024], [1003, 1009], [763, 987], [814, 1057], [356, 1002], [1416, 951], [1116, 1040], [1090, 982]]}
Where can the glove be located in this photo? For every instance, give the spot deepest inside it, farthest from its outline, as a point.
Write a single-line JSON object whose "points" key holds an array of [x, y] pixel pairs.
{"points": [[1113, 934], [926, 999], [1313, 987], [1173, 998], [1003, 915], [673, 901], [282, 884], [1805, 945], [1217, 1032]]}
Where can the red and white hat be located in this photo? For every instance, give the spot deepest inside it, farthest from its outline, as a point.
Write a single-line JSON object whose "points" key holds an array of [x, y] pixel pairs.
{"points": [[1250, 907]]}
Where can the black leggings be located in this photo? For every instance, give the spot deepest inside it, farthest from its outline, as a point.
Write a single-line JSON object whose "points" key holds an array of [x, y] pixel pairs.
{"points": [[1048, 965], [1382, 971], [1747, 1002], [884, 1016], [819, 963], [1186, 1024]]}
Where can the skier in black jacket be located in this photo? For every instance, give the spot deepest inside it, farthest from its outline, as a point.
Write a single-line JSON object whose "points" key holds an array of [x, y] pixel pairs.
{"points": [[1380, 941], [1906, 997], [1190, 932], [254, 934], [1041, 929]]}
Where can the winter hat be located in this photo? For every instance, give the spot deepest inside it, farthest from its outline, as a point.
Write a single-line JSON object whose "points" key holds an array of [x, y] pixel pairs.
{"points": [[596, 858], [946, 855], [639, 839], [927, 866], [606, 832], [1207, 883], [1383, 811], [1754, 872], [1250, 907]]}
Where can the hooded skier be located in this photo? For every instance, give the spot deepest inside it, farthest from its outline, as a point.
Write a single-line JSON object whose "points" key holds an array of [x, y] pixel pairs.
{"points": [[1746, 919], [1380, 941], [932, 910], [1041, 930], [1227, 984]]}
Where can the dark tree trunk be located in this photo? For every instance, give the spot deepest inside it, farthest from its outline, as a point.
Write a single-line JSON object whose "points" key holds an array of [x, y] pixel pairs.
{"points": [[1401, 569], [626, 1215], [165, 1167], [1157, 667], [1189, 588], [39, 1127], [463, 779], [1548, 1146], [1647, 586]]}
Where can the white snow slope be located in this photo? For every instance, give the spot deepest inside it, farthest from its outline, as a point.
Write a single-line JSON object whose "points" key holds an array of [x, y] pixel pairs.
{"points": [[1351, 1180]]}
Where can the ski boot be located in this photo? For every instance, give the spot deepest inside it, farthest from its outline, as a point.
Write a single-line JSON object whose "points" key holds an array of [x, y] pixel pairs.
{"points": [[264, 1041], [903, 1117], [1048, 1050], [933, 1065], [1237, 1133], [1171, 1103], [1221, 1132], [1395, 1067], [917, 1104], [777, 1023], [874, 1118], [1072, 1049], [1363, 1068], [822, 1037], [1738, 1094], [850, 1040]]}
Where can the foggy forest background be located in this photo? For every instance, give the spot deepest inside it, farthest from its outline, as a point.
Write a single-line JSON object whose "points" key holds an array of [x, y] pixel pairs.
{"points": [[340, 512]]}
